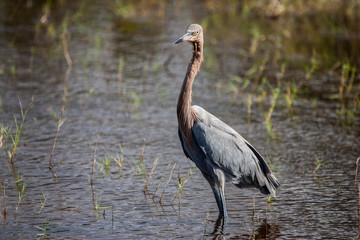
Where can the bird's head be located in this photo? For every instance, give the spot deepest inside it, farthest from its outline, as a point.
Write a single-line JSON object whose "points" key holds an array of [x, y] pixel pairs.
{"points": [[193, 34]]}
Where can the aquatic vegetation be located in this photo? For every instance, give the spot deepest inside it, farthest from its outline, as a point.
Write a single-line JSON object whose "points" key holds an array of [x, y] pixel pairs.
{"points": [[65, 37], [136, 100], [348, 98], [181, 184], [98, 207], [44, 229], [160, 180], [105, 164], [20, 191], [140, 166], [249, 104], [93, 171], [13, 69], [290, 97], [318, 164], [128, 9], [42, 202], [60, 123], [275, 96], [119, 159], [312, 66], [150, 174], [257, 70], [257, 37], [167, 183], [8, 134], [90, 92]]}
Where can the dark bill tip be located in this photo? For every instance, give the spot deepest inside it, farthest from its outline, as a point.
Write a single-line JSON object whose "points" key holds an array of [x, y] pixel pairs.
{"points": [[179, 40], [183, 38]]}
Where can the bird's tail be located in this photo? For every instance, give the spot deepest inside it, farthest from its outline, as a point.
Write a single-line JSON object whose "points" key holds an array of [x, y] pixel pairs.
{"points": [[273, 184], [270, 184]]}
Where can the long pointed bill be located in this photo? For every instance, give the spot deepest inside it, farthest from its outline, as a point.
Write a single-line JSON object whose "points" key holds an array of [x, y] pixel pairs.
{"points": [[186, 37]]}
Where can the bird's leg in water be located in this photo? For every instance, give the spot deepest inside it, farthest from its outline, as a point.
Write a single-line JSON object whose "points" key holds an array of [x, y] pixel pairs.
{"points": [[220, 200]]}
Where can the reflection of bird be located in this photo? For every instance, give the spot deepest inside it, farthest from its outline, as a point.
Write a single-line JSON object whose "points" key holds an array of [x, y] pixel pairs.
{"points": [[218, 151]]}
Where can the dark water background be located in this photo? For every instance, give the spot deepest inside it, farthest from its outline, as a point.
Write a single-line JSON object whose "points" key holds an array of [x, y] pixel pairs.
{"points": [[119, 96]]}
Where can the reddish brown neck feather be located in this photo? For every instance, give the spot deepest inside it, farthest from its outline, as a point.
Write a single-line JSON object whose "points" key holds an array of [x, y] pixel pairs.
{"points": [[186, 115]]}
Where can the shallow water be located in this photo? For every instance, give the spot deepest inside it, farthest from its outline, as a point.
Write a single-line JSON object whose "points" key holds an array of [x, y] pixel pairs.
{"points": [[113, 112]]}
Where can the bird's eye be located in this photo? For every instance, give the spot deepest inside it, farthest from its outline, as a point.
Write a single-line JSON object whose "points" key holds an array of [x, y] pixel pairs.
{"points": [[197, 32]]}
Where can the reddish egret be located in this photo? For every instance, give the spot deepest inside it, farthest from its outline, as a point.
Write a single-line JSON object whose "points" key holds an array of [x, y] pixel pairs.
{"points": [[221, 154]]}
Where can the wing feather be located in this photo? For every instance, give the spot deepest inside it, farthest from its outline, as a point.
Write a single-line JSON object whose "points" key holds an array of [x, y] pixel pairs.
{"points": [[229, 151]]}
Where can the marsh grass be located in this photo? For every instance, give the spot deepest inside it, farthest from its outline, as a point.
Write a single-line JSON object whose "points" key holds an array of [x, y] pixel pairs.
{"points": [[267, 55], [160, 180], [21, 192], [181, 184], [7, 133], [65, 37], [268, 115], [290, 97], [60, 123], [98, 207], [276, 9], [119, 159], [140, 166], [248, 108], [150, 174], [348, 97], [90, 92], [93, 172], [257, 70], [270, 200], [42, 202], [311, 67], [318, 164], [167, 183], [136, 100], [44, 228], [105, 163]]}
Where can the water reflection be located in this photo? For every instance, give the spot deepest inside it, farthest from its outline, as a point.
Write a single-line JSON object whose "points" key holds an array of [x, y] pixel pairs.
{"points": [[264, 230]]}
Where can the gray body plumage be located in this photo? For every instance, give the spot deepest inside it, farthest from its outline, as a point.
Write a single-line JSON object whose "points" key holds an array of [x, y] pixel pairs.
{"points": [[222, 154]]}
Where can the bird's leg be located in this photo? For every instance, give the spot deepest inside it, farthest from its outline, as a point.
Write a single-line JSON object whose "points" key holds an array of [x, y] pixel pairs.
{"points": [[222, 196], [220, 200]]}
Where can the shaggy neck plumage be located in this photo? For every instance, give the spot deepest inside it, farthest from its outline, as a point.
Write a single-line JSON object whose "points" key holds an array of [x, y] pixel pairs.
{"points": [[186, 115]]}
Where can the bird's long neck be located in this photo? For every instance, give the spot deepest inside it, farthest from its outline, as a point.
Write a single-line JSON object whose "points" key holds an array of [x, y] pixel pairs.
{"points": [[186, 115]]}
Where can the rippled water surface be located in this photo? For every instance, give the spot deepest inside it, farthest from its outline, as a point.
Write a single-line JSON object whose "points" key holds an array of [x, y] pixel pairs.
{"points": [[114, 68]]}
